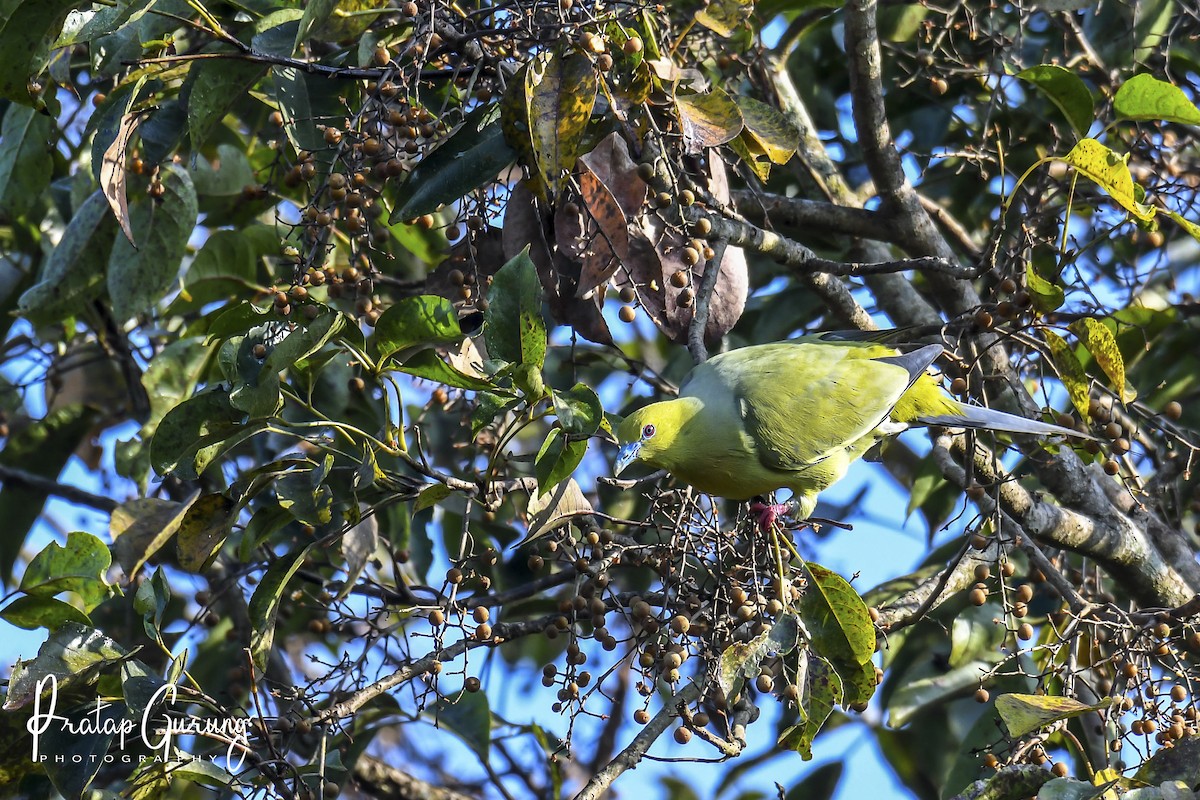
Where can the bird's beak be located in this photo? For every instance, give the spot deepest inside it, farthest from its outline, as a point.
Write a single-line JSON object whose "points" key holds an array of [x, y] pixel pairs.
{"points": [[626, 456]]}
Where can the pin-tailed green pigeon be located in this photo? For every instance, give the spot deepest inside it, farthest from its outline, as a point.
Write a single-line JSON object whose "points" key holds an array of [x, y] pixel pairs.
{"points": [[796, 415]]}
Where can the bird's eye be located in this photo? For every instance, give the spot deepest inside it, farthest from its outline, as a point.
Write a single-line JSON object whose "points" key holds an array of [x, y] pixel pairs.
{"points": [[647, 431]]}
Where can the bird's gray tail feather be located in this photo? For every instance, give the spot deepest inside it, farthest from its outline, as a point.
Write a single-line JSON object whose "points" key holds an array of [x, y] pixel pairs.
{"points": [[986, 418]]}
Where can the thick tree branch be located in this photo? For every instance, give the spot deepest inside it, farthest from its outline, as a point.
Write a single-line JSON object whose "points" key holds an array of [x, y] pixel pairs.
{"points": [[384, 782], [1111, 539], [1010, 783], [18, 477], [801, 259], [798, 212], [903, 303]]}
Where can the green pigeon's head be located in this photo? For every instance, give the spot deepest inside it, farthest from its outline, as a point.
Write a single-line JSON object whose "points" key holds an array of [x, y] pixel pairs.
{"points": [[651, 434]]}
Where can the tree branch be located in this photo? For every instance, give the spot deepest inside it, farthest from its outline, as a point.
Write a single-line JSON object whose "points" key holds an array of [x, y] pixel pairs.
{"points": [[801, 259], [1010, 783], [385, 782], [799, 212], [13, 476], [629, 757], [1112, 539]]}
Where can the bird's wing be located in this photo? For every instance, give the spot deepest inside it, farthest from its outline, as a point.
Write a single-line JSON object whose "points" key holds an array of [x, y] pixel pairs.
{"points": [[802, 401]]}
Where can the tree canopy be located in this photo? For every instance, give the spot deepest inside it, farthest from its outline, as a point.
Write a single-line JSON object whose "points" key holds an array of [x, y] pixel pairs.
{"points": [[331, 310]]}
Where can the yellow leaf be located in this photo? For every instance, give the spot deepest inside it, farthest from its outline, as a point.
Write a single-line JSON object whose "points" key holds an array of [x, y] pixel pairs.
{"points": [[1026, 713], [725, 16], [708, 119], [561, 95], [1069, 370], [1110, 171], [1191, 227], [1101, 343], [769, 129]]}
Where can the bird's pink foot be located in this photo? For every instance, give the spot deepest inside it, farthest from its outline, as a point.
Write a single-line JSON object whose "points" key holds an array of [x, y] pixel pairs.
{"points": [[768, 514]]}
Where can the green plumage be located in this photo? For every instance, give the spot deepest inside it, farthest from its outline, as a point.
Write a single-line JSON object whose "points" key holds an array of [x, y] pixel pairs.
{"points": [[795, 415]]}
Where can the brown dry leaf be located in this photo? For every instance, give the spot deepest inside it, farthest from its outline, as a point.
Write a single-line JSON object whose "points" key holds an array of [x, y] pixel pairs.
{"points": [[112, 172], [616, 169], [612, 194], [524, 225], [481, 256], [555, 509], [668, 71], [651, 268]]}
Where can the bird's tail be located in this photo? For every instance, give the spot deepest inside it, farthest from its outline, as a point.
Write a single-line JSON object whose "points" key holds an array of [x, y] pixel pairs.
{"points": [[985, 418]]}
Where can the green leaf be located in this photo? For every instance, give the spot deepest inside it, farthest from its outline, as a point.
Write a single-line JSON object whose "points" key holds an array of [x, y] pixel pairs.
{"points": [[203, 530], [1046, 296], [858, 681], [431, 495], [561, 92], [79, 567], [27, 30], [227, 177], [1070, 371], [257, 384], [1025, 713], [195, 433], [150, 601], [305, 495], [725, 16], [818, 784], [708, 119], [1101, 343], [316, 12], [820, 691], [43, 448], [471, 156], [414, 321], [1146, 97], [932, 494], [25, 161], [79, 754], [216, 84], [916, 695], [264, 605], [468, 717], [275, 34], [513, 326], [1178, 763], [172, 375], [306, 102], [578, 410], [741, 660], [73, 274], [836, 617], [226, 266], [141, 526], [488, 406], [1110, 171], [139, 277], [426, 364], [1066, 90], [74, 654], [35, 611], [557, 459]]}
